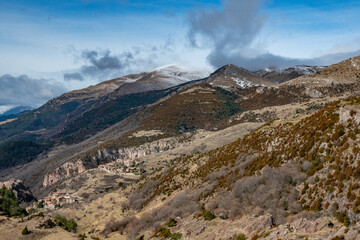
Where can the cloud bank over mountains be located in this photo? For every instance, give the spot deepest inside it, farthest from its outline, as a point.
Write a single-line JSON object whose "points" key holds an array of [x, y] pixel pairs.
{"points": [[228, 31], [231, 33], [26, 91]]}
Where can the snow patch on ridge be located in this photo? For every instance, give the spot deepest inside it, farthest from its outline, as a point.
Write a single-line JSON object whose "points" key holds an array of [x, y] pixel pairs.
{"points": [[244, 83], [177, 74]]}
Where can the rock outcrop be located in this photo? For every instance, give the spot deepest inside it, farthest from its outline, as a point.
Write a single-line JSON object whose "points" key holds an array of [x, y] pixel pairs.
{"points": [[66, 170], [22, 193], [72, 168]]}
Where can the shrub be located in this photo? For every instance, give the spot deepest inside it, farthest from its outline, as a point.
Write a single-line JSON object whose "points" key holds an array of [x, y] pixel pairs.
{"points": [[71, 225], [40, 205], [256, 236], [68, 225], [163, 232], [342, 217], [171, 223], [82, 236], [32, 210], [176, 236], [208, 215], [25, 231], [341, 237], [240, 236], [317, 205]]}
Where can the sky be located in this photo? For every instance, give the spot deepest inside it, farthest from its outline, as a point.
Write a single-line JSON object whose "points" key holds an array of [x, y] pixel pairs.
{"points": [[49, 47]]}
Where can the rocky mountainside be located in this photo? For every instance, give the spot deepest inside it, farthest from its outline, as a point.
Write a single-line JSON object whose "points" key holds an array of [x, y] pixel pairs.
{"points": [[78, 115], [215, 155], [233, 77], [345, 72], [283, 75], [161, 78], [285, 175], [173, 111]]}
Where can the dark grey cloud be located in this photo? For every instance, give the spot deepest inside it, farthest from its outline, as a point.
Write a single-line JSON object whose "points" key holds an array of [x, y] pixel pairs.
{"points": [[102, 61], [231, 32], [103, 64], [100, 64], [23, 90], [73, 76]]}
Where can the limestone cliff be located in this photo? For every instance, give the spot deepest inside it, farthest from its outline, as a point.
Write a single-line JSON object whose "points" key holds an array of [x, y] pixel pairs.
{"points": [[104, 155]]}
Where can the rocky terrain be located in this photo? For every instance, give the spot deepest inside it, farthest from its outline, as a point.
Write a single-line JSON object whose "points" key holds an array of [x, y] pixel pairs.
{"points": [[283, 75], [228, 156]]}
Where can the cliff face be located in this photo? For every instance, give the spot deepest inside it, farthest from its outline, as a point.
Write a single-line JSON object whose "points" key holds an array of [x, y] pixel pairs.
{"points": [[102, 156], [106, 155], [66, 170]]}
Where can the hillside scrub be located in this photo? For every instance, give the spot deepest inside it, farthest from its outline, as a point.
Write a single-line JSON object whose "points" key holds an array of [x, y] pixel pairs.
{"points": [[272, 191], [68, 225], [281, 169], [181, 205]]}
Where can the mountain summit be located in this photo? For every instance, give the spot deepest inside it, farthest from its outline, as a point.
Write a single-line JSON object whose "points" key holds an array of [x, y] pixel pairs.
{"points": [[233, 77]]}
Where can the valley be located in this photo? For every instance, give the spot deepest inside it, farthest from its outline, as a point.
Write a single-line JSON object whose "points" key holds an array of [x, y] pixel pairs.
{"points": [[172, 154]]}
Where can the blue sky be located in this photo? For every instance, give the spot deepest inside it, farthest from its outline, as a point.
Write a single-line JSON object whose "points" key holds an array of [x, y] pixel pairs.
{"points": [[47, 39]]}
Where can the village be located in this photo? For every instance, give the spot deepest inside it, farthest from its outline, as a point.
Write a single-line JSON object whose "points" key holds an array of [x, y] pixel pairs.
{"points": [[61, 198], [55, 200]]}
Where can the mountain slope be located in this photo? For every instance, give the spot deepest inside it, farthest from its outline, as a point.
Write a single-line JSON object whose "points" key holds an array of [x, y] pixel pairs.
{"points": [[161, 78], [345, 72], [283, 75], [280, 171], [231, 77]]}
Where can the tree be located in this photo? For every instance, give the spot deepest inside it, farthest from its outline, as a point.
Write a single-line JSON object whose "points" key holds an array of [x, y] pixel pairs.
{"points": [[25, 231], [9, 204]]}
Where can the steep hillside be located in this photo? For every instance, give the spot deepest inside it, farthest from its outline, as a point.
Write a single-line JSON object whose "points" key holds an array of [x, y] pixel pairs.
{"points": [[56, 114], [231, 77], [78, 115], [279, 175], [161, 78]]}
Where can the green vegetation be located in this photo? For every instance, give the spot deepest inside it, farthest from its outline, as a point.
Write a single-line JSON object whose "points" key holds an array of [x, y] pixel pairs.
{"points": [[68, 225], [341, 237], [256, 236], [230, 106], [164, 232], [47, 116], [208, 215], [9, 204], [240, 236], [25, 231], [171, 223], [82, 236], [4, 118], [40, 204], [107, 114], [19, 152], [343, 218]]}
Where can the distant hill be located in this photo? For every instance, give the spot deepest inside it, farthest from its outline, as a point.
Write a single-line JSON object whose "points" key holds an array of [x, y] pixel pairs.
{"points": [[345, 72], [283, 75], [16, 110]]}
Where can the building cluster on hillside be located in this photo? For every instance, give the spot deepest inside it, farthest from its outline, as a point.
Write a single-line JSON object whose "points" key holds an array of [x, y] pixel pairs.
{"points": [[121, 166], [58, 199]]}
